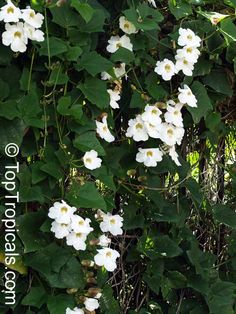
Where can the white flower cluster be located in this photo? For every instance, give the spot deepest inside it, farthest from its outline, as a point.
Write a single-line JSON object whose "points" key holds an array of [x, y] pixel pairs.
{"points": [[67, 224], [114, 43], [76, 229], [185, 58], [167, 127], [90, 304], [18, 33]]}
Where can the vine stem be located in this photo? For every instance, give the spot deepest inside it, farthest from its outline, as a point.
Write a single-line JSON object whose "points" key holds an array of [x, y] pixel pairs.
{"points": [[31, 68], [48, 45]]}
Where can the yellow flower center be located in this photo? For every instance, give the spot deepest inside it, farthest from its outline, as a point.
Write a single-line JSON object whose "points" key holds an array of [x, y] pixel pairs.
{"points": [[170, 132], [32, 14], [118, 45], [176, 112], [139, 126], [189, 50], [167, 68], [190, 37], [149, 153], [189, 93], [112, 221], [10, 10], [154, 111], [185, 61], [17, 34], [81, 223], [108, 254], [104, 129], [64, 209], [126, 25], [88, 160], [78, 235], [64, 225]]}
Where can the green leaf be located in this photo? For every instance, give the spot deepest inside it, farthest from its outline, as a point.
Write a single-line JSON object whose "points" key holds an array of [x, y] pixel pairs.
{"points": [[123, 55], [53, 47], [9, 110], [219, 81], [58, 266], [28, 225], [64, 16], [108, 302], [28, 192], [228, 29], [87, 141], [144, 17], [84, 9], [180, 8], [4, 90], [95, 91], [86, 196], [36, 297], [203, 102], [57, 77], [53, 169], [95, 25], [221, 297], [65, 108], [158, 246], [73, 53], [94, 63], [58, 304], [11, 132], [225, 215]]}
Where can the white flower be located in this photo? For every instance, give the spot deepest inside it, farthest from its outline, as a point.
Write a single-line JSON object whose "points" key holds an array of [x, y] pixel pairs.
{"points": [[33, 34], [187, 97], [61, 230], [182, 64], [126, 26], [119, 71], [91, 160], [114, 97], [10, 13], [188, 38], [216, 17], [115, 42], [61, 212], [171, 135], [15, 37], [152, 2], [189, 53], [153, 130], [107, 257], [137, 129], [152, 115], [173, 114], [166, 69], [149, 156], [81, 225], [174, 156], [103, 131], [112, 224], [104, 241], [91, 304], [98, 295], [77, 240], [32, 18], [76, 310]]}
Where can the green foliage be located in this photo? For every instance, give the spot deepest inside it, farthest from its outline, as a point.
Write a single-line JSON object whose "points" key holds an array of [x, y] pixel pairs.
{"points": [[178, 251]]}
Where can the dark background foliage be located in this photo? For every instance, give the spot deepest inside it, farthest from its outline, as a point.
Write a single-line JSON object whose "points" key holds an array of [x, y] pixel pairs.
{"points": [[178, 251]]}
